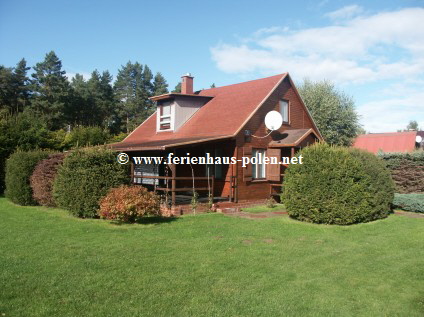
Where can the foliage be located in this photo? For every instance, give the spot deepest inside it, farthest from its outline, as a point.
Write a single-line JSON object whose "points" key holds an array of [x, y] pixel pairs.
{"points": [[160, 86], [337, 185], [332, 110], [117, 138], [51, 91], [24, 131], [407, 170], [19, 168], [85, 176], [133, 87], [42, 179], [129, 204], [86, 136], [177, 88], [412, 125], [409, 202], [271, 203]]}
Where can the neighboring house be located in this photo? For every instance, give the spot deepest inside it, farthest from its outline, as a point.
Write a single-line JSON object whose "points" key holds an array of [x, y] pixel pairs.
{"points": [[225, 121], [388, 142]]}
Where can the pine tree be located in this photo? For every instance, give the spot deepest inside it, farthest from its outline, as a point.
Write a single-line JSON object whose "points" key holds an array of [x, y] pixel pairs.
{"points": [[160, 85], [51, 91], [177, 88], [21, 86]]}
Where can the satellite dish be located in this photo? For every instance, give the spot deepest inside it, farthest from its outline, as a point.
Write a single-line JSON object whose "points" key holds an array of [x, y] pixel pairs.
{"points": [[418, 138], [273, 120]]}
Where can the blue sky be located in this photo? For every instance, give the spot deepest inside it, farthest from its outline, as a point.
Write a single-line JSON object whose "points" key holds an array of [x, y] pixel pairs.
{"points": [[373, 51]]}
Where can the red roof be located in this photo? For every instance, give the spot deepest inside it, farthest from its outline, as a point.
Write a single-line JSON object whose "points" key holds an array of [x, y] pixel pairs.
{"points": [[222, 116], [387, 142]]}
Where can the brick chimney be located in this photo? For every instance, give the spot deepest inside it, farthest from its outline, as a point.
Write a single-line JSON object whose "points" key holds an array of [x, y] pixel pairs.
{"points": [[187, 84]]}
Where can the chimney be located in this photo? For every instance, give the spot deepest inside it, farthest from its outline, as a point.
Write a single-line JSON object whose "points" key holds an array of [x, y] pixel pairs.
{"points": [[187, 84]]}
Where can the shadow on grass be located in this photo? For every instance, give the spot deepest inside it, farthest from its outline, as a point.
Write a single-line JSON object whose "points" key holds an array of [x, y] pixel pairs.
{"points": [[155, 220]]}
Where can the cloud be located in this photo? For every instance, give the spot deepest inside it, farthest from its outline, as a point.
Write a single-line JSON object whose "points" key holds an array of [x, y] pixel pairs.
{"points": [[346, 12], [362, 49]]}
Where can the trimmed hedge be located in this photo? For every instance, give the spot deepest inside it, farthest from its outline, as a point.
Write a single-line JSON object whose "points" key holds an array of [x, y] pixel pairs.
{"points": [[43, 177], [85, 177], [409, 202], [19, 168], [407, 170], [129, 204], [337, 185]]}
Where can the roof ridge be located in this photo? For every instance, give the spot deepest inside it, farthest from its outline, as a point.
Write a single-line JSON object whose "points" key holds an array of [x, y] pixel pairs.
{"points": [[244, 82]]}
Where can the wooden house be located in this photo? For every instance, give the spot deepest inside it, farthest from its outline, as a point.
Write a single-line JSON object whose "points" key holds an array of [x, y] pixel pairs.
{"points": [[224, 121]]}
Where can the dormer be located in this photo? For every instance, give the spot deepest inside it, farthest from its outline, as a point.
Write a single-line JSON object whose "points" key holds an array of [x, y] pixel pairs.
{"points": [[175, 109]]}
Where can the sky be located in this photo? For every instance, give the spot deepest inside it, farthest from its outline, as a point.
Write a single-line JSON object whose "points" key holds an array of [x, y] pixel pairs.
{"points": [[372, 51]]}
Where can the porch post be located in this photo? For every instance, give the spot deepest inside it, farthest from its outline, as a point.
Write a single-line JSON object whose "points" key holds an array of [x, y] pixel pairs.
{"points": [[173, 168]]}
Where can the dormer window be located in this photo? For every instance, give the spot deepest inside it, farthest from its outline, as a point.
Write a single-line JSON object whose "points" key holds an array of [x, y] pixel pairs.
{"points": [[165, 116]]}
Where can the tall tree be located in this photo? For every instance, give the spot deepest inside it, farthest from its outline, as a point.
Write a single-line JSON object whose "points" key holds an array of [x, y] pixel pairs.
{"points": [[132, 88], [412, 125], [6, 89], [332, 110], [51, 91], [160, 86], [177, 88]]}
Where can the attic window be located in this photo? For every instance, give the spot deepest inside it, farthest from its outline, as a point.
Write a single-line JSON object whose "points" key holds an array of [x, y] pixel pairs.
{"points": [[284, 110], [165, 116]]}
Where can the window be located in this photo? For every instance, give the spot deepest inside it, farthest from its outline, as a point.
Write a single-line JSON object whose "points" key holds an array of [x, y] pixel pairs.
{"points": [[258, 166], [165, 116], [284, 110]]}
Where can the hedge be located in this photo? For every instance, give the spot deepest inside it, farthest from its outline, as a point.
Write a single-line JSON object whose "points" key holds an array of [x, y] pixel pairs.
{"points": [[407, 170], [85, 177], [19, 168], [43, 177], [337, 185], [409, 202]]}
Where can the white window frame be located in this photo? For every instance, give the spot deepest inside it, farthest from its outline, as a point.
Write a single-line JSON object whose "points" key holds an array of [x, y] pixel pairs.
{"points": [[164, 119], [285, 114], [258, 168]]}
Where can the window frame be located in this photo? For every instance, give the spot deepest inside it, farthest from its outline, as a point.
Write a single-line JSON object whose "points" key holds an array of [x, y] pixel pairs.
{"points": [[288, 110], [258, 173]]}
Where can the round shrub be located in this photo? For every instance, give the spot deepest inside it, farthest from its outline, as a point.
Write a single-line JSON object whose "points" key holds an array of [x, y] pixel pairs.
{"points": [[19, 168], [84, 177], [129, 204], [337, 185], [43, 177]]}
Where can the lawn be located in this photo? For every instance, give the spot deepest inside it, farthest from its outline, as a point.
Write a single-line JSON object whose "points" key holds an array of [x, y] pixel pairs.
{"points": [[264, 208], [207, 265]]}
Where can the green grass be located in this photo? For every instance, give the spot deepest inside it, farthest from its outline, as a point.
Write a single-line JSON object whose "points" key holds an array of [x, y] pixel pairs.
{"points": [[207, 265], [264, 208]]}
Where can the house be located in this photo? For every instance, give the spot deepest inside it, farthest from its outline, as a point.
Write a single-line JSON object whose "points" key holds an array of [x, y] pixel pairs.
{"points": [[388, 142], [222, 122]]}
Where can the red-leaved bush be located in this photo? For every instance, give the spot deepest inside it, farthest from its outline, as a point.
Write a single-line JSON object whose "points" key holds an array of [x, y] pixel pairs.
{"points": [[43, 177], [129, 204]]}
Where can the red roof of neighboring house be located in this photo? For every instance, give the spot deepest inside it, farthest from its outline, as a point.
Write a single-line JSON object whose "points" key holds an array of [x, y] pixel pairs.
{"points": [[387, 142], [223, 116]]}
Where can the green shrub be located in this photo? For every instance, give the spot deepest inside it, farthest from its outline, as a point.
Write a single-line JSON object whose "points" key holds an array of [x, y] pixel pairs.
{"points": [[19, 168], [337, 185], [407, 170], [409, 202], [129, 204], [85, 176], [43, 177]]}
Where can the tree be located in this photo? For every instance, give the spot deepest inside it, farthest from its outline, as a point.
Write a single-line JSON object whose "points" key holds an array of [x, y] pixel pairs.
{"points": [[332, 110], [14, 88], [160, 86], [412, 125], [177, 88], [51, 91], [133, 88]]}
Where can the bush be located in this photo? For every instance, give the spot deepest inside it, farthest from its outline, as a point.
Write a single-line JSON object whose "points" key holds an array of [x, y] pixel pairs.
{"points": [[337, 185], [129, 204], [19, 168], [85, 176], [43, 177], [409, 202], [407, 170]]}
